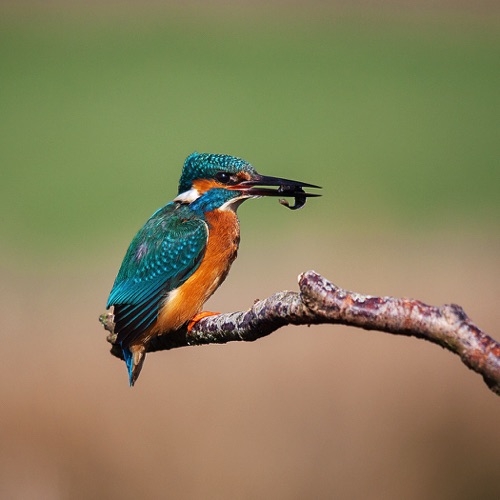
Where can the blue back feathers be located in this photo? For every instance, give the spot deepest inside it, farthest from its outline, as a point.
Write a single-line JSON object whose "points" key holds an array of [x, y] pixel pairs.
{"points": [[162, 256]]}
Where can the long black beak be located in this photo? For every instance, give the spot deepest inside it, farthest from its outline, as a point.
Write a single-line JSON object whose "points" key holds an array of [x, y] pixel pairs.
{"points": [[286, 187]]}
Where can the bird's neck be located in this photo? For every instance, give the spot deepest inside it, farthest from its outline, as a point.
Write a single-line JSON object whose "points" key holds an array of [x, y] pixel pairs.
{"points": [[216, 200]]}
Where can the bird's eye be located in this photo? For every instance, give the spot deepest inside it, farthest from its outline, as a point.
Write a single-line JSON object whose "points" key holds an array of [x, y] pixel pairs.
{"points": [[223, 177]]}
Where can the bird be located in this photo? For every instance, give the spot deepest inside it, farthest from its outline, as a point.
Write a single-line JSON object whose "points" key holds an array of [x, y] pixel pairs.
{"points": [[184, 251]]}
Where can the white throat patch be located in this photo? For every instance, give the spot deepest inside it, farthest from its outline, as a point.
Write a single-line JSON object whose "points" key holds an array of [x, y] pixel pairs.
{"points": [[188, 196], [234, 203]]}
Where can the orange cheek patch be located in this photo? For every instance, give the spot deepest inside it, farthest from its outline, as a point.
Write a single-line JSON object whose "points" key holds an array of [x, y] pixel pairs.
{"points": [[204, 185]]}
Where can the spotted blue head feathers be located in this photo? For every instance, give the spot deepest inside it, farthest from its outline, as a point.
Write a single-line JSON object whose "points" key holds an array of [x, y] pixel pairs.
{"points": [[208, 165]]}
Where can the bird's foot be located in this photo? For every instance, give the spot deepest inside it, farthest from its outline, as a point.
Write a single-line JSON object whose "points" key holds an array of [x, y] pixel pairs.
{"points": [[197, 317]]}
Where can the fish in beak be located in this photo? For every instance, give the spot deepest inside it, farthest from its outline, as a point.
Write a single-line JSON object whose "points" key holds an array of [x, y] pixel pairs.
{"points": [[259, 185]]}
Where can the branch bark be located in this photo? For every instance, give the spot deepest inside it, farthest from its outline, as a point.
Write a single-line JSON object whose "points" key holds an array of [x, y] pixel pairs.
{"points": [[320, 301]]}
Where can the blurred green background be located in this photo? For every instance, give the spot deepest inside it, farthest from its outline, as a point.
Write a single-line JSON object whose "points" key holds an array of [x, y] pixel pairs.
{"points": [[393, 110], [99, 112]]}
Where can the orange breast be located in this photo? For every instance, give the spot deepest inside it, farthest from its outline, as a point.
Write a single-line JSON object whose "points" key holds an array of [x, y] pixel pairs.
{"points": [[188, 299]]}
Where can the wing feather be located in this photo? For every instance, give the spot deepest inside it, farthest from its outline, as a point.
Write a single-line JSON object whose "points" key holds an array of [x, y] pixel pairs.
{"points": [[162, 256]]}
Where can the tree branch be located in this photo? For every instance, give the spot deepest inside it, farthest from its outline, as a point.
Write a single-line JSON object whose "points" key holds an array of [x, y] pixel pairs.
{"points": [[319, 302]]}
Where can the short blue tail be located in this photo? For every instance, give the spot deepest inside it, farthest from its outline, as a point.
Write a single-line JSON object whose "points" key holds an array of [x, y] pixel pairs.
{"points": [[129, 360]]}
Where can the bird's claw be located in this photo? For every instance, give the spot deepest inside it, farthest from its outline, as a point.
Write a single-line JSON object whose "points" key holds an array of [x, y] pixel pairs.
{"points": [[197, 317]]}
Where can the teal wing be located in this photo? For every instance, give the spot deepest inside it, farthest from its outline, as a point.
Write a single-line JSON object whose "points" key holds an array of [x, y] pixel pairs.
{"points": [[162, 256]]}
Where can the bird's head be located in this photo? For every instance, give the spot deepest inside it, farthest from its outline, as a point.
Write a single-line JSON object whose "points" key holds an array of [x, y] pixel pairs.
{"points": [[215, 181]]}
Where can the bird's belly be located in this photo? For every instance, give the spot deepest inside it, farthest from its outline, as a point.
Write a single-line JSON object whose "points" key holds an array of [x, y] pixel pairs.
{"points": [[187, 300]]}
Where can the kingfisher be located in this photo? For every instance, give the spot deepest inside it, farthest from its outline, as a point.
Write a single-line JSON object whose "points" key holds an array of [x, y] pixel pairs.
{"points": [[184, 251]]}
